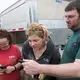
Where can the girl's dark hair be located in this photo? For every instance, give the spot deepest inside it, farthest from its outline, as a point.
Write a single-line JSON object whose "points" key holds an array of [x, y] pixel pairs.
{"points": [[5, 34], [75, 4]]}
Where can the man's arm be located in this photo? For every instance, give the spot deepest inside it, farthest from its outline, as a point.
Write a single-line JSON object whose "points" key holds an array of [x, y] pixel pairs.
{"points": [[61, 70]]}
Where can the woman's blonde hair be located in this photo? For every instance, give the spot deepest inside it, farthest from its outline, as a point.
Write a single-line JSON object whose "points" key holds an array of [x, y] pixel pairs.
{"points": [[37, 29]]}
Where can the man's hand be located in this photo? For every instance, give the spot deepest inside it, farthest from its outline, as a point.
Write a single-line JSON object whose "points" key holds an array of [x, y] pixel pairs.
{"points": [[31, 67]]}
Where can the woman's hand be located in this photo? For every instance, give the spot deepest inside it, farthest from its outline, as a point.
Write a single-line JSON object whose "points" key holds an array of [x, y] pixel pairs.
{"points": [[9, 69]]}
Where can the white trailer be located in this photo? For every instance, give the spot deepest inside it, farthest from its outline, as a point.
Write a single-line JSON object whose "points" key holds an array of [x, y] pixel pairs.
{"points": [[51, 13], [18, 16]]}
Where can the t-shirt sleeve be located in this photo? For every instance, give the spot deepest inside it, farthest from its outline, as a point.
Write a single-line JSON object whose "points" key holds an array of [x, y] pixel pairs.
{"points": [[78, 54], [18, 52]]}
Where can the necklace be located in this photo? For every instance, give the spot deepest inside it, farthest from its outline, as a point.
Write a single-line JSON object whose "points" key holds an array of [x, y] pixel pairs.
{"points": [[38, 53]]}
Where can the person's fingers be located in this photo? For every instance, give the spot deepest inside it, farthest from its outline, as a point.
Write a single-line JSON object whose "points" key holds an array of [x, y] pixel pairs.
{"points": [[26, 61], [1, 73]]}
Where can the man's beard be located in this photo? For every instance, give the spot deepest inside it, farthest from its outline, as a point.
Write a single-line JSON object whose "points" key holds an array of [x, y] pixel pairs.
{"points": [[75, 28]]}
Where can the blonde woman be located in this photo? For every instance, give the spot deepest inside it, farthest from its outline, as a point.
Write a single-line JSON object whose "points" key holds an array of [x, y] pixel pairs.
{"points": [[40, 48]]}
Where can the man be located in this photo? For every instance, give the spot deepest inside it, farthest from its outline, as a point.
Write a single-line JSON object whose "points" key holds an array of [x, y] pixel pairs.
{"points": [[70, 70]]}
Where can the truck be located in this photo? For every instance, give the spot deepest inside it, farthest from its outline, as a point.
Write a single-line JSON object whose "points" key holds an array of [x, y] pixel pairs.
{"points": [[53, 18], [17, 17]]}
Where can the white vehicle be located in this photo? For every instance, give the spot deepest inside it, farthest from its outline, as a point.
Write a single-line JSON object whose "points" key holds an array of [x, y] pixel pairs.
{"points": [[17, 17]]}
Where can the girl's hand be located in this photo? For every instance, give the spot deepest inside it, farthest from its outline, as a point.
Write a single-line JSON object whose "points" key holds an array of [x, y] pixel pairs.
{"points": [[9, 69]]}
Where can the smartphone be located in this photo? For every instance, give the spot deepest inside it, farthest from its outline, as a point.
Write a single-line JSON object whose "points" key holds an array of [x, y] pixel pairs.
{"points": [[2, 67], [21, 61]]}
